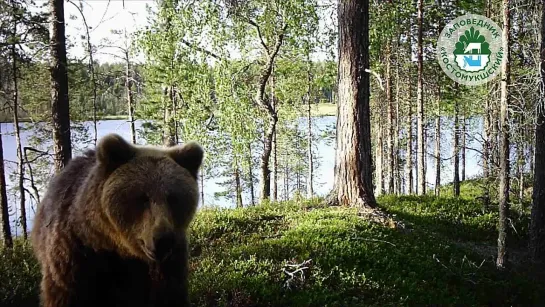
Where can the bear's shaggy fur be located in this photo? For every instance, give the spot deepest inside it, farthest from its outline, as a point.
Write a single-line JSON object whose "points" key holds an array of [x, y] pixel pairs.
{"points": [[111, 229]]}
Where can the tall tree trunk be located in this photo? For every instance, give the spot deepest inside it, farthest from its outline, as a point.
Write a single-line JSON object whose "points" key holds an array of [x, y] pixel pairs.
{"points": [[504, 149], [251, 174], [456, 148], [353, 157], [310, 175], [397, 182], [379, 164], [20, 158], [60, 108], [238, 187], [202, 186], [274, 145], [537, 225], [265, 157], [390, 103], [409, 150], [487, 126], [286, 176], [420, 105], [520, 168], [267, 105], [486, 148], [4, 212], [168, 129], [438, 146], [130, 102], [463, 147]]}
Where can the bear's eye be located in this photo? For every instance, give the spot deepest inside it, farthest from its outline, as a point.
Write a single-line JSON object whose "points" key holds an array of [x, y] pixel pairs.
{"points": [[143, 199]]}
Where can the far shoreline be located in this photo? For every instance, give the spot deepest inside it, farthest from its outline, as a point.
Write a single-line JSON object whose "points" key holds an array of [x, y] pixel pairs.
{"points": [[317, 110]]}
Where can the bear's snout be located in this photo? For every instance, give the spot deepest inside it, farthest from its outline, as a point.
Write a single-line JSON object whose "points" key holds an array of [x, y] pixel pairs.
{"points": [[164, 244]]}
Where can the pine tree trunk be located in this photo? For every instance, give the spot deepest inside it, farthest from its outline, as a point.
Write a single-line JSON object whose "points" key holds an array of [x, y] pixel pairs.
{"points": [[463, 147], [60, 109], [168, 128], [397, 182], [520, 166], [202, 187], [537, 225], [265, 187], [409, 151], [502, 259], [420, 105], [310, 176], [486, 149], [353, 161], [456, 148], [20, 158], [130, 102], [4, 212], [390, 137], [251, 174], [438, 147], [238, 187], [274, 146], [379, 165]]}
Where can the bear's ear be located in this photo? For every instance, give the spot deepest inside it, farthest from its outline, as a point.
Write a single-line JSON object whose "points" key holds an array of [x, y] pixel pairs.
{"points": [[188, 156], [113, 151]]}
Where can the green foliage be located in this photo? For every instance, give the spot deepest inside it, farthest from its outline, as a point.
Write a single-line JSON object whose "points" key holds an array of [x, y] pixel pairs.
{"points": [[19, 275], [238, 258]]}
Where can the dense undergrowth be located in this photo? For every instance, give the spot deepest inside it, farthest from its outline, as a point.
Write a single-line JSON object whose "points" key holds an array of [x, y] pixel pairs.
{"points": [[443, 256]]}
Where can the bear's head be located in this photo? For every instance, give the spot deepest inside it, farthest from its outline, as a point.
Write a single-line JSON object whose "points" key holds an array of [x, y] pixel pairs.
{"points": [[149, 195]]}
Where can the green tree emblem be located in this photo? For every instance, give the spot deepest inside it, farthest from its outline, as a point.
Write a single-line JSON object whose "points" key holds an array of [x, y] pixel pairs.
{"points": [[471, 36]]}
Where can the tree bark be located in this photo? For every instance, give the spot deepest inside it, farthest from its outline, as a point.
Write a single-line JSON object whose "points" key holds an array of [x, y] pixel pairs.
{"points": [[420, 105], [379, 164], [537, 225], [169, 137], [202, 186], [265, 179], [130, 102], [20, 158], [310, 175], [398, 175], [353, 157], [456, 148], [250, 174], [463, 147], [60, 108], [409, 151], [438, 147], [520, 165], [6, 228], [502, 259], [267, 105], [390, 103], [238, 187], [275, 146]]}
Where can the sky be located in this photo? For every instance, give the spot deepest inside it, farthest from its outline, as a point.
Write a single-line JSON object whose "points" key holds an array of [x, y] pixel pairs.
{"points": [[102, 16]]}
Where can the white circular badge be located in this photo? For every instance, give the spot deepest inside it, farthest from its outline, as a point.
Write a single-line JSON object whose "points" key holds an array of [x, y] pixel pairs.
{"points": [[470, 50]]}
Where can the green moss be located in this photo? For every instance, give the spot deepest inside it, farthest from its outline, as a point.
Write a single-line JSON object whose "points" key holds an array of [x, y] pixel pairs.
{"points": [[239, 257]]}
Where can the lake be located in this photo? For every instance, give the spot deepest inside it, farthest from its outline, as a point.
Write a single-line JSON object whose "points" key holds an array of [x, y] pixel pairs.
{"points": [[323, 173]]}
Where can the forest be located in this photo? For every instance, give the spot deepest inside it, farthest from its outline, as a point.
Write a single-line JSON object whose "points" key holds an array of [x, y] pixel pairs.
{"points": [[343, 165]]}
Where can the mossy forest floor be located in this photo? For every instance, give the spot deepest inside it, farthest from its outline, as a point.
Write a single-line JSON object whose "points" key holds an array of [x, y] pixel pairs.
{"points": [[444, 256]]}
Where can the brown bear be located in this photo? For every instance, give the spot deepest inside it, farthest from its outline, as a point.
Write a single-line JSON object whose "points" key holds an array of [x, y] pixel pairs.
{"points": [[111, 229]]}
